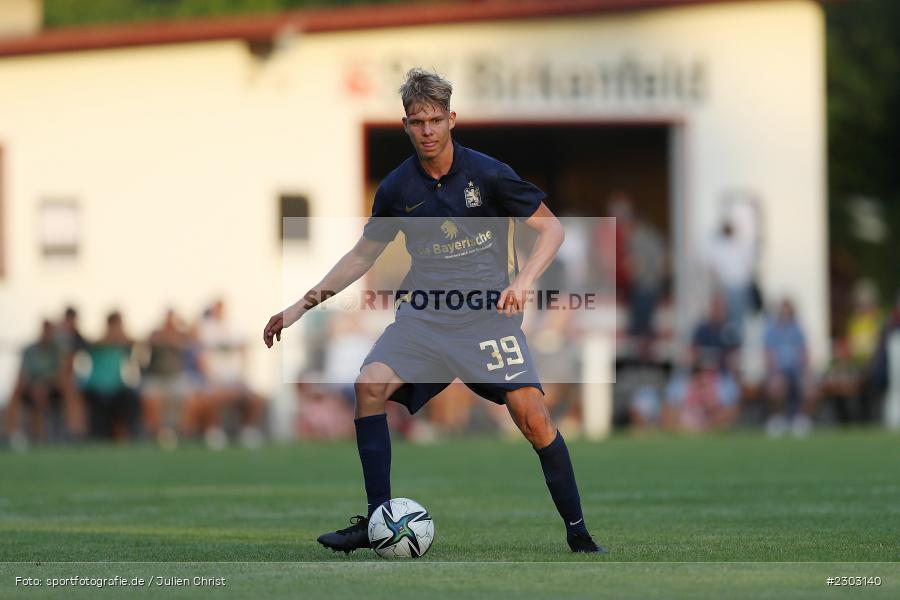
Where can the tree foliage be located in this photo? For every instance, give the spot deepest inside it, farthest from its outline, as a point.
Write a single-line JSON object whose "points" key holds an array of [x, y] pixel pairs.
{"points": [[863, 66], [65, 13]]}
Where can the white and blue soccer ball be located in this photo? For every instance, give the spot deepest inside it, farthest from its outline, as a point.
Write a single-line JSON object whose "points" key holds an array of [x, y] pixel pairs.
{"points": [[401, 528]]}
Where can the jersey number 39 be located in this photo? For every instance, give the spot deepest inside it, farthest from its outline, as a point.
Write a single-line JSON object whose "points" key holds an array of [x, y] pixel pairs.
{"points": [[510, 346]]}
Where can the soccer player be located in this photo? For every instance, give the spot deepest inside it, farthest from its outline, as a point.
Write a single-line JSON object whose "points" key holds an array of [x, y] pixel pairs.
{"points": [[465, 247]]}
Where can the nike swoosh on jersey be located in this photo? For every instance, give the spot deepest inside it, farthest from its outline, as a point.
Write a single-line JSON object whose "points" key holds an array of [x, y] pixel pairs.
{"points": [[409, 209], [509, 377]]}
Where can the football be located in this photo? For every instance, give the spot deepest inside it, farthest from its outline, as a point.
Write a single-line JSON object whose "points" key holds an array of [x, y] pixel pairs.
{"points": [[401, 528]]}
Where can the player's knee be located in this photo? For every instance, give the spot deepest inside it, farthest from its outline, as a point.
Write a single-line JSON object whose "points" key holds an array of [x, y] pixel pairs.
{"points": [[539, 429], [370, 396]]}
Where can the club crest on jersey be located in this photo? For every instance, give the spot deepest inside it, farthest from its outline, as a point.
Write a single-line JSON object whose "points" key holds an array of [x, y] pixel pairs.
{"points": [[473, 195]]}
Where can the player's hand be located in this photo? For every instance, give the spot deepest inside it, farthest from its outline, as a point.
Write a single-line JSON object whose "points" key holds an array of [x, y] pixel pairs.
{"points": [[281, 321], [512, 300], [273, 329]]}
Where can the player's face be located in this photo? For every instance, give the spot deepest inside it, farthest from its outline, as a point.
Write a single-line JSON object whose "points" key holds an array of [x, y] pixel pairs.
{"points": [[428, 127]]}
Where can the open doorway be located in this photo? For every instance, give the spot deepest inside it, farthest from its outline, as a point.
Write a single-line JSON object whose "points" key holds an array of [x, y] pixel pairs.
{"points": [[580, 167]]}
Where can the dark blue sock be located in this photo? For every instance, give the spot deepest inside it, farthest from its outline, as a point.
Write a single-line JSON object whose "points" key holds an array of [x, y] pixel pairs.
{"points": [[373, 440], [560, 478]]}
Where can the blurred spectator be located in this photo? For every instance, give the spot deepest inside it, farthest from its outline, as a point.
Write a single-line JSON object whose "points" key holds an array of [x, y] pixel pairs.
{"points": [[621, 209], [715, 338], [863, 328], [40, 389], [647, 267], [704, 393], [449, 413], [732, 262], [323, 414], [788, 365], [752, 361], [71, 342], [168, 393], [550, 335], [643, 383], [605, 271], [864, 323], [68, 335], [841, 383], [882, 371], [223, 359], [113, 404], [704, 398], [346, 347]]}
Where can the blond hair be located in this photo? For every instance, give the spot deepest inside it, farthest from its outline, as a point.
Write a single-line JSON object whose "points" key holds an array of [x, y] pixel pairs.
{"points": [[424, 87]]}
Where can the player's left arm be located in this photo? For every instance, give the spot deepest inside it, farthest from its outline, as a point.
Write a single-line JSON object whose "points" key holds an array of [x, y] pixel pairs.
{"points": [[550, 236]]}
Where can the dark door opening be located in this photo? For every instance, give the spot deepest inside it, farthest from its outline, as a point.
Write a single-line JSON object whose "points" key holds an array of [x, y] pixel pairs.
{"points": [[579, 166]]}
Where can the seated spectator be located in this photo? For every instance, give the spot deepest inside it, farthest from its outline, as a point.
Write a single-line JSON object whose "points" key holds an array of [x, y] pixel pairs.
{"points": [[555, 355], [168, 393], [40, 389], [643, 382], [882, 367], [715, 338], [704, 398], [113, 405], [322, 414], [223, 361], [346, 345], [71, 342], [788, 368], [840, 384]]}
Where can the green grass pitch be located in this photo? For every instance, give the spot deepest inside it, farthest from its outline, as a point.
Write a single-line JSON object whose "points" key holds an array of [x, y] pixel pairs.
{"points": [[733, 515]]}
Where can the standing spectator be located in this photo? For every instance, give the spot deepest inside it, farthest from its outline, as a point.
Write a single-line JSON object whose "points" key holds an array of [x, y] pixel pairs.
{"points": [[864, 323], [788, 363], [113, 405], [621, 209], [647, 266], [863, 329], [733, 263], [40, 389]]}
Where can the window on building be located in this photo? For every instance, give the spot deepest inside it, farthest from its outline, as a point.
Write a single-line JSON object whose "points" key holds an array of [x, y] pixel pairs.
{"points": [[294, 221], [59, 225]]}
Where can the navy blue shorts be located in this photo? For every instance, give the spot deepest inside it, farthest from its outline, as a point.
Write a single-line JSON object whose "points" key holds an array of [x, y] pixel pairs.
{"points": [[489, 354]]}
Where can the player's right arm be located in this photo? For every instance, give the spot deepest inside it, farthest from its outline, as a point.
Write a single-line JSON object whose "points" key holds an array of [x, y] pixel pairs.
{"points": [[348, 269]]}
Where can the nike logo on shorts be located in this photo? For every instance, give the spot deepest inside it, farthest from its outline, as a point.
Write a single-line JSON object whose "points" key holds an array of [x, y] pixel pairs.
{"points": [[409, 209], [509, 377]]}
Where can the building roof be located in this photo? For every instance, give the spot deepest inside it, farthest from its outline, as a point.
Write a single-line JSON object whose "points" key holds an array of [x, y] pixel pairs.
{"points": [[263, 29]]}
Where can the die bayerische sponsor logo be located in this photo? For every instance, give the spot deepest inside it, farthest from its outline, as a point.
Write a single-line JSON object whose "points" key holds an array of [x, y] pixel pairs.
{"points": [[454, 245]]}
